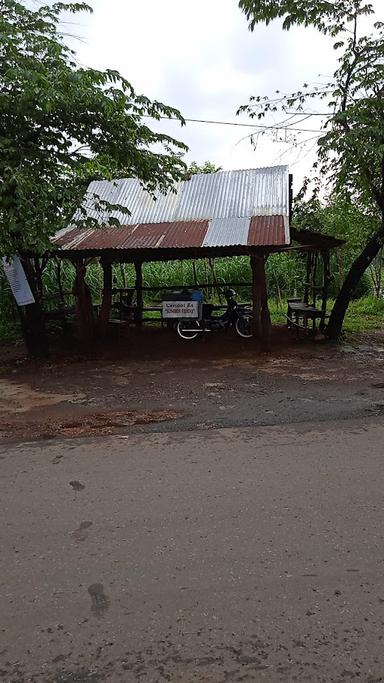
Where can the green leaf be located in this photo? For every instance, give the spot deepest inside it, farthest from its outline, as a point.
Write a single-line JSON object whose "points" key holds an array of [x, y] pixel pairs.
{"points": [[62, 126]]}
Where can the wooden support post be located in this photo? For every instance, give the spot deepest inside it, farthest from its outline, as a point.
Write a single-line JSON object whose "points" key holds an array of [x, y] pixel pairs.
{"points": [[326, 279], [261, 317], [139, 293], [314, 275], [60, 283], [106, 303], [308, 277], [63, 320]]}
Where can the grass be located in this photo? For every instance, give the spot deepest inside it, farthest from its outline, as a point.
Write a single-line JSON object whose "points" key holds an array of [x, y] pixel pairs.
{"points": [[364, 315]]}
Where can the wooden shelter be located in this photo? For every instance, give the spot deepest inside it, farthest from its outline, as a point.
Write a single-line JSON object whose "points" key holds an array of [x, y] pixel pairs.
{"points": [[229, 213]]}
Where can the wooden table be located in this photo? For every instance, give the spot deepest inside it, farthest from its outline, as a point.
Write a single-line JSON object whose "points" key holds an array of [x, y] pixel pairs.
{"points": [[300, 310]]}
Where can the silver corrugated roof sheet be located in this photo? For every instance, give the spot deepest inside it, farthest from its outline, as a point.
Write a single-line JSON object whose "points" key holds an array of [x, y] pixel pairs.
{"points": [[223, 232], [226, 194]]}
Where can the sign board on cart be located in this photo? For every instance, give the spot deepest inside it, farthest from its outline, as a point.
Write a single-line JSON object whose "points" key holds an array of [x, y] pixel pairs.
{"points": [[18, 282], [181, 309]]}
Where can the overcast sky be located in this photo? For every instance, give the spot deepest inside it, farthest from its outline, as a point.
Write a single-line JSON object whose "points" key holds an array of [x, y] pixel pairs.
{"points": [[200, 57]]}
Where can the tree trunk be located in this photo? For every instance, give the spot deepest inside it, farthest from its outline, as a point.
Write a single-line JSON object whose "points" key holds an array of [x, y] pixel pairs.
{"points": [[106, 304], [32, 318], [356, 271]]}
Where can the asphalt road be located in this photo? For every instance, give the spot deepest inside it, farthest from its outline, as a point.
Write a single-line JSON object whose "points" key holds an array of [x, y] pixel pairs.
{"points": [[250, 554]]}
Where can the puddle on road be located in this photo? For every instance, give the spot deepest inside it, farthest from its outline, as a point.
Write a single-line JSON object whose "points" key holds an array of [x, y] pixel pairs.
{"points": [[20, 398]]}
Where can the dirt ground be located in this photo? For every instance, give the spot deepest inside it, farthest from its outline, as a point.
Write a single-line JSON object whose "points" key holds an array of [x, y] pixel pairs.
{"points": [[153, 381]]}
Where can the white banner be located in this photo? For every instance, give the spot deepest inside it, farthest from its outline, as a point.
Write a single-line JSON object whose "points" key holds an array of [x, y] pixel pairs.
{"points": [[14, 272], [181, 309]]}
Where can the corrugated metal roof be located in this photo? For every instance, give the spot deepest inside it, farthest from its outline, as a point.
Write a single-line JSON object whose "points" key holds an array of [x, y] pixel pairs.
{"points": [[220, 232], [228, 208], [226, 194]]}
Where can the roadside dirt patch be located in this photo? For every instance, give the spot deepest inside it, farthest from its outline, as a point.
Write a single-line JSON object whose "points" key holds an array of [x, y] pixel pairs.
{"points": [[19, 397], [216, 383], [96, 424]]}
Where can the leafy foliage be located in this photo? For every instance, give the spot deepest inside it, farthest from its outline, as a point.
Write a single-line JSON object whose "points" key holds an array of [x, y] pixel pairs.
{"points": [[207, 167], [62, 126], [326, 15], [351, 148], [338, 217], [342, 219]]}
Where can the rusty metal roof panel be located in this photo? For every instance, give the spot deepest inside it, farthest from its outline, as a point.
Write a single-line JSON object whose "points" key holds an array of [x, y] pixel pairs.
{"points": [[73, 238], [267, 231], [224, 232], [176, 235], [101, 238]]}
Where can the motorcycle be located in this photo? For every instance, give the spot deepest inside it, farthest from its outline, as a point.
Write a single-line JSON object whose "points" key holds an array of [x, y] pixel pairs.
{"points": [[236, 315]]}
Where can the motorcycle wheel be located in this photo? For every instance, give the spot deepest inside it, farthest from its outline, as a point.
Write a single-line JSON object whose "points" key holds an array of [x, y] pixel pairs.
{"points": [[188, 329], [243, 325]]}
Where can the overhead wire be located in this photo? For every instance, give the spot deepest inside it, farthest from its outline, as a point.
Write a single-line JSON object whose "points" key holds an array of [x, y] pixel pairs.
{"points": [[243, 125]]}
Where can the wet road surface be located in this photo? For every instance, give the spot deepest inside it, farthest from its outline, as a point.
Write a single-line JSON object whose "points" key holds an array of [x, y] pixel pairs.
{"points": [[253, 554]]}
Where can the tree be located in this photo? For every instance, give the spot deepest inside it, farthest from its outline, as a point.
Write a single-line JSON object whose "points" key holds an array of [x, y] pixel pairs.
{"points": [[194, 169], [340, 217], [62, 126], [351, 148]]}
